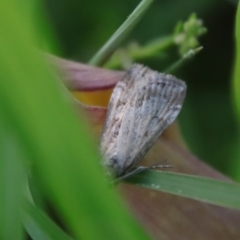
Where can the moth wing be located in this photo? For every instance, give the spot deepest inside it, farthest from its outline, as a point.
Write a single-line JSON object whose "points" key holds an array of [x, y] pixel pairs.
{"points": [[143, 104]]}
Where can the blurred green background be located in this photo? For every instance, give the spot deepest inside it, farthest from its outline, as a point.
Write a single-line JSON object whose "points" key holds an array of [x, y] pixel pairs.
{"points": [[207, 120]]}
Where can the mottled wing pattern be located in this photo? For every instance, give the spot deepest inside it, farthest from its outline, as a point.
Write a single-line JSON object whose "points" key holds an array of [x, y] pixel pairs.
{"points": [[143, 104]]}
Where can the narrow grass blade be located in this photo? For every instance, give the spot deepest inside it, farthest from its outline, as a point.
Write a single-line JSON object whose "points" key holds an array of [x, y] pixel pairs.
{"points": [[40, 227], [111, 45], [226, 194], [12, 179], [236, 77], [235, 168]]}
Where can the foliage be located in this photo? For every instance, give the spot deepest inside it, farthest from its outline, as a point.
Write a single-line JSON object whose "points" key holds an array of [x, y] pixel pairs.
{"points": [[43, 142]]}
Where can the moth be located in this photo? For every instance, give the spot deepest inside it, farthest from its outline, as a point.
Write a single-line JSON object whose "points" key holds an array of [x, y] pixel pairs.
{"points": [[143, 104]]}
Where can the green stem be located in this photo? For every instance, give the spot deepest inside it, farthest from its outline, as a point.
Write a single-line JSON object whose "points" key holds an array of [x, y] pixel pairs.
{"points": [[186, 57], [111, 45], [136, 53]]}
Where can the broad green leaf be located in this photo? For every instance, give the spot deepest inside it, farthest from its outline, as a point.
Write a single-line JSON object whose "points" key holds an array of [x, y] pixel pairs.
{"points": [[226, 194], [55, 139]]}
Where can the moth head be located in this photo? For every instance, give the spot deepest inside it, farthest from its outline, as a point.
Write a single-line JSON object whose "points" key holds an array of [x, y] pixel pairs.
{"points": [[113, 167]]}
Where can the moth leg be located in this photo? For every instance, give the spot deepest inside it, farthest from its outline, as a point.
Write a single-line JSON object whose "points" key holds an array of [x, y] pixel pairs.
{"points": [[160, 166], [133, 172], [139, 170]]}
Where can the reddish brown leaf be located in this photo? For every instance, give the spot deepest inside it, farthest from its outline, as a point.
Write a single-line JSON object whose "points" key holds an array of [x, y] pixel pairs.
{"points": [[163, 215]]}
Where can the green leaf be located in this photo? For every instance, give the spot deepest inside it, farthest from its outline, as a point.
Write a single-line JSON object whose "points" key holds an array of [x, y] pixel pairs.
{"points": [[40, 227], [55, 139], [236, 92], [111, 45], [236, 79], [226, 194], [12, 179]]}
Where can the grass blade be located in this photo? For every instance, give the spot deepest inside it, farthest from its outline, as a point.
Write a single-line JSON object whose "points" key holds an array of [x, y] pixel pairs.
{"points": [[40, 227], [226, 194], [236, 94], [12, 179], [236, 78]]}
